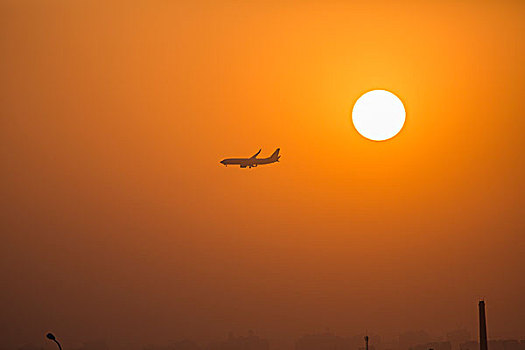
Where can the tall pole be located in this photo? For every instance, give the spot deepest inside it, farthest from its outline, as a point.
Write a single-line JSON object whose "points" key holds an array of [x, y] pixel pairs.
{"points": [[50, 336], [482, 327]]}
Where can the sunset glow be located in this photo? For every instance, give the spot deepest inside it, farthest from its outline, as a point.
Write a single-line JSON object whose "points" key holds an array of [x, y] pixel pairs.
{"points": [[396, 199]]}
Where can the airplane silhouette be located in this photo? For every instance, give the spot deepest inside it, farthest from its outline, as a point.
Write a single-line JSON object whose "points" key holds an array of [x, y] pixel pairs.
{"points": [[252, 161]]}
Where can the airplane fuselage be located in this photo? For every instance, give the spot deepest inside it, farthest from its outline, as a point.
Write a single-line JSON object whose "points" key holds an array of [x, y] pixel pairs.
{"points": [[247, 162], [251, 162]]}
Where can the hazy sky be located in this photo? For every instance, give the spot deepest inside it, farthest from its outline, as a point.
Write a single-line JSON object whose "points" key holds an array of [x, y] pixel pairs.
{"points": [[118, 222]]}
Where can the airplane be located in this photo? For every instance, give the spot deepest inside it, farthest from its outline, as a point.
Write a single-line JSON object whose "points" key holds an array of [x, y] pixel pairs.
{"points": [[253, 161]]}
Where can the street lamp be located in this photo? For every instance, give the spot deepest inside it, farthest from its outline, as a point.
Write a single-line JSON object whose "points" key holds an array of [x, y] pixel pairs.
{"points": [[50, 336]]}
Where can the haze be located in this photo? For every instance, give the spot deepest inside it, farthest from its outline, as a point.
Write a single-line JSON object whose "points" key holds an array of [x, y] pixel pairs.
{"points": [[119, 223]]}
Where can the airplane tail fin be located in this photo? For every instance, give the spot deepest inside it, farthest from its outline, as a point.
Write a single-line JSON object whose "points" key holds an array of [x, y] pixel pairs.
{"points": [[276, 154]]}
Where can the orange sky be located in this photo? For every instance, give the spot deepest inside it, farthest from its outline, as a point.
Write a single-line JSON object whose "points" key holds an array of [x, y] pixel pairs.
{"points": [[118, 222]]}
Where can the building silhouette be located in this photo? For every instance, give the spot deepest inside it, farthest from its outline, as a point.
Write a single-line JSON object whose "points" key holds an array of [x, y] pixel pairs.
{"points": [[322, 341], [469, 345], [249, 342], [413, 338], [330, 341], [506, 344], [441, 345], [500, 344], [457, 337], [179, 345], [93, 345]]}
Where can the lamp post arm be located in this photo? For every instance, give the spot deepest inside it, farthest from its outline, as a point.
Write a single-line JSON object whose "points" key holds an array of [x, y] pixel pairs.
{"points": [[59, 346]]}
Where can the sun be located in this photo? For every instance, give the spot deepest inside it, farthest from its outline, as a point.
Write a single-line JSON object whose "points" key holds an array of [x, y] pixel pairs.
{"points": [[378, 115]]}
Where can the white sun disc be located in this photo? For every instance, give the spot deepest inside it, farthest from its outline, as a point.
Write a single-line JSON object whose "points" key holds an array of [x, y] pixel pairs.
{"points": [[378, 115]]}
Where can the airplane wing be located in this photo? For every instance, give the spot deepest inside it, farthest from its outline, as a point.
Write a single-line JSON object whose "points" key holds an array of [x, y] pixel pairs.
{"points": [[256, 154]]}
